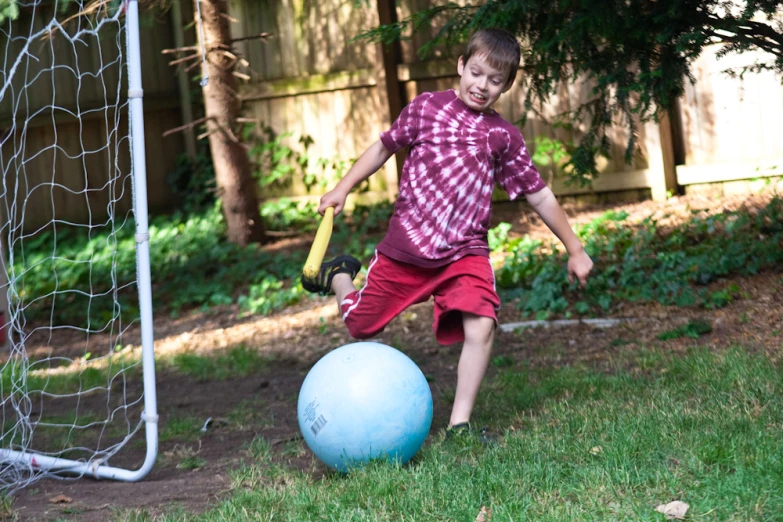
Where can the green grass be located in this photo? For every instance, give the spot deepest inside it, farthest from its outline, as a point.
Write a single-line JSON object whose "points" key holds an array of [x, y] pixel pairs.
{"points": [[99, 376], [259, 449], [191, 462], [7, 507], [693, 329], [236, 362], [580, 445], [82, 424], [251, 413], [181, 428], [143, 515]]}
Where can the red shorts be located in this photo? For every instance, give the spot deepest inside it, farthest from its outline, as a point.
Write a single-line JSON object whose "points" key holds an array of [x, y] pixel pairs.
{"points": [[466, 285]]}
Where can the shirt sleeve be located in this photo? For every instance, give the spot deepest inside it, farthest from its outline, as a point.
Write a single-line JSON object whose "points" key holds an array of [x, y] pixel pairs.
{"points": [[516, 173], [405, 128]]}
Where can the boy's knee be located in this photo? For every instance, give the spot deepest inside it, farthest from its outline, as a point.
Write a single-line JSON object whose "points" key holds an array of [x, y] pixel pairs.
{"points": [[478, 329], [359, 331], [361, 320]]}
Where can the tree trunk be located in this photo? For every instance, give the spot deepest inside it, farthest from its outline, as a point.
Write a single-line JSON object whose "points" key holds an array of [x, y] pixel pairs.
{"points": [[235, 183]]}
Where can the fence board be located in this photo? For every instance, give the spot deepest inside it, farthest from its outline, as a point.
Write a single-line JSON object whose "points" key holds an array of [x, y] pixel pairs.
{"points": [[309, 84], [342, 124], [59, 96], [309, 37], [730, 121]]}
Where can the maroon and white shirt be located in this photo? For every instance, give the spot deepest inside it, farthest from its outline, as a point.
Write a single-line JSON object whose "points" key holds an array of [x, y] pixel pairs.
{"points": [[455, 158]]}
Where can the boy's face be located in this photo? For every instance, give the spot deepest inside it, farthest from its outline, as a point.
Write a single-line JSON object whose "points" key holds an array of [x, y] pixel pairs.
{"points": [[480, 84]]}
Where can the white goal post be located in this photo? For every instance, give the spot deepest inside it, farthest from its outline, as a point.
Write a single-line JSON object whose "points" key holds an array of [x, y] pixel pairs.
{"points": [[77, 376]]}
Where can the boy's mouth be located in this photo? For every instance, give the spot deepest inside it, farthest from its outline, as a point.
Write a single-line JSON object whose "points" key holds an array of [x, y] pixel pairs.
{"points": [[479, 98]]}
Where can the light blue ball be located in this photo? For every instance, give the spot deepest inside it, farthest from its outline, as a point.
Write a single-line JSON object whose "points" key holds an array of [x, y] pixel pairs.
{"points": [[364, 401]]}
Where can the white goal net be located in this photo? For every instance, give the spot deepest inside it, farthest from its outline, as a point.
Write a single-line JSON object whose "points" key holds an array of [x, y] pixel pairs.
{"points": [[76, 370]]}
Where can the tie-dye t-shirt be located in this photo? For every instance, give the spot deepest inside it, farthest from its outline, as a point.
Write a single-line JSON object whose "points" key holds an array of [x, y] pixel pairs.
{"points": [[456, 156]]}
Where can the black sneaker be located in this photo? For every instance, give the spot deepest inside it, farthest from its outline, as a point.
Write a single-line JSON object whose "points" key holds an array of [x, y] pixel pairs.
{"points": [[465, 432], [322, 283]]}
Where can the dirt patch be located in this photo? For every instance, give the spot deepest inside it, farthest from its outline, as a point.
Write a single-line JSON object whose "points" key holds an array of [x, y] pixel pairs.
{"points": [[263, 404]]}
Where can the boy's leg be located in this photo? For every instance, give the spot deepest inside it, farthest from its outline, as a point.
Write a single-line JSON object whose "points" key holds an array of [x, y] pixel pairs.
{"points": [[342, 285], [466, 305], [473, 362]]}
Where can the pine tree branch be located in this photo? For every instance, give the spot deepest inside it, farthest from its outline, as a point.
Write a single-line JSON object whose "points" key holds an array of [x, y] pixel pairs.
{"points": [[749, 33]]}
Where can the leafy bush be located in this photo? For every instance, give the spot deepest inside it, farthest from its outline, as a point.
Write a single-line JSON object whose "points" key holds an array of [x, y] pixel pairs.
{"points": [[641, 263], [286, 214], [192, 182], [277, 161], [268, 296], [498, 236], [693, 329], [192, 265], [359, 232], [274, 161]]}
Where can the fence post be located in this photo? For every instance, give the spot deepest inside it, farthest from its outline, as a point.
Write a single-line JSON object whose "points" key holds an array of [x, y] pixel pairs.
{"points": [[660, 151], [392, 56], [183, 81]]}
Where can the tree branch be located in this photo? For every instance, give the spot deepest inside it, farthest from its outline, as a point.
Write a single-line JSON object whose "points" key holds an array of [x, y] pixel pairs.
{"points": [[193, 66], [222, 129], [178, 61], [180, 49], [749, 33], [186, 127], [766, 30], [260, 36]]}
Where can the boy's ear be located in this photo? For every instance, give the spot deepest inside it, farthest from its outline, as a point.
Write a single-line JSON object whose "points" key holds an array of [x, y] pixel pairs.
{"points": [[460, 66], [510, 82]]}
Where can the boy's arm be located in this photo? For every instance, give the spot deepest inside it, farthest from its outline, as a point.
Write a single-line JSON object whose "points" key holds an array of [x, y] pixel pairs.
{"points": [[368, 164], [545, 204]]}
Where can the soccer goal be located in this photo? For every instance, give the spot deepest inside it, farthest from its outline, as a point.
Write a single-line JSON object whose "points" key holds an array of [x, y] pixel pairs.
{"points": [[77, 374]]}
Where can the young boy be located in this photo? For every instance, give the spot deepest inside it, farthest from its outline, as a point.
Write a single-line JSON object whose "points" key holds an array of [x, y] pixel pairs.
{"points": [[436, 242]]}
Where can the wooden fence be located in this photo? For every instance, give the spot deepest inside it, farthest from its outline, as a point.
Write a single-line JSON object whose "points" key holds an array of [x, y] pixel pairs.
{"points": [[732, 129], [312, 79], [64, 125]]}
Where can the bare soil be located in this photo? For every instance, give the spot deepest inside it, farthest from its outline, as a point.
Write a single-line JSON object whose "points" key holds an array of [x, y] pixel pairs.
{"points": [[299, 336]]}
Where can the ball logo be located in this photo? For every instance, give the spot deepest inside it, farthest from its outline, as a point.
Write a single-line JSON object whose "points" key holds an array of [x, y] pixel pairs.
{"points": [[310, 411], [317, 422]]}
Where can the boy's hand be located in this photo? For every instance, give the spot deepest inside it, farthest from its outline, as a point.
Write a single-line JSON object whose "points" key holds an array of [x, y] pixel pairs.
{"points": [[334, 198], [579, 267]]}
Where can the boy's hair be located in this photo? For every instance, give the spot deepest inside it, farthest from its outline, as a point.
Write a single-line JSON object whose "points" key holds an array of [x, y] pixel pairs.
{"points": [[498, 47]]}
